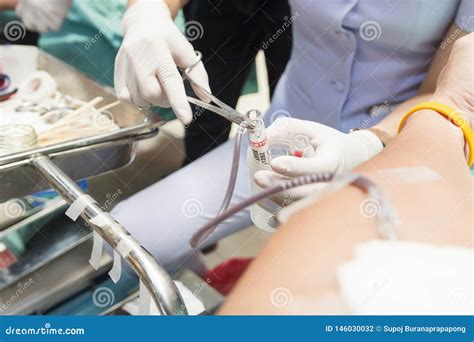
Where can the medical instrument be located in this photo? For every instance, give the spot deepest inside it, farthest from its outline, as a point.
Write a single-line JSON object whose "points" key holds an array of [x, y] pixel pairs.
{"points": [[58, 104], [37, 87], [37, 168], [17, 137], [300, 147], [4, 82], [63, 117], [386, 217], [258, 138], [258, 144], [82, 122], [221, 109]]}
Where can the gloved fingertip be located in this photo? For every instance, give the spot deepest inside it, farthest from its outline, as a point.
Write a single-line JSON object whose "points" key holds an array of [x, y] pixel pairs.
{"points": [[185, 115], [280, 165], [124, 95], [261, 178], [201, 95]]}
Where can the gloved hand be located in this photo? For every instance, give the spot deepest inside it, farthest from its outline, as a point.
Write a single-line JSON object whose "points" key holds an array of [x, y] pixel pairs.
{"points": [[334, 152], [42, 15], [146, 65]]}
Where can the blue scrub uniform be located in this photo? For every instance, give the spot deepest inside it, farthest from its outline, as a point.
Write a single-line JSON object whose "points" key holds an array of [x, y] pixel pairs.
{"points": [[348, 55]]}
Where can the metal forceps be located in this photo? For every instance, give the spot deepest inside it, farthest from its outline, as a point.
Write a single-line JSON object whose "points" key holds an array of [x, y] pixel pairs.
{"points": [[220, 108]]}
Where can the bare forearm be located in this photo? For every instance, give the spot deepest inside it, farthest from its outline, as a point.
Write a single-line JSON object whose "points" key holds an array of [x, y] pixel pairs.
{"points": [[390, 123], [304, 254], [8, 4], [174, 5]]}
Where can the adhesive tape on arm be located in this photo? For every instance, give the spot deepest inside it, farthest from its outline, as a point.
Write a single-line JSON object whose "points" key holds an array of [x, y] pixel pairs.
{"points": [[38, 87]]}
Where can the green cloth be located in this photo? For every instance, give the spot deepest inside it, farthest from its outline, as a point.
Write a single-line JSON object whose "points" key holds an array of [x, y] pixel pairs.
{"points": [[90, 38]]}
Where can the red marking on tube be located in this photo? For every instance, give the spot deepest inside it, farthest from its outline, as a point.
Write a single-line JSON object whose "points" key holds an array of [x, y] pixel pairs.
{"points": [[7, 258], [259, 143], [298, 154]]}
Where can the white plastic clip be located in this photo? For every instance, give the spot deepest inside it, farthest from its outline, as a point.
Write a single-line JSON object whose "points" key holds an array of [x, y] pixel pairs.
{"points": [[78, 206], [97, 248], [123, 248]]}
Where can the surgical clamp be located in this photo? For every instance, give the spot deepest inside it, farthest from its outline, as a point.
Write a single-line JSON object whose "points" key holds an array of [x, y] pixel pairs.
{"points": [[221, 109]]}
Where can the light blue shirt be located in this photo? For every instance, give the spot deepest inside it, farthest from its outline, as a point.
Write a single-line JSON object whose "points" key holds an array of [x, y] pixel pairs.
{"points": [[350, 55]]}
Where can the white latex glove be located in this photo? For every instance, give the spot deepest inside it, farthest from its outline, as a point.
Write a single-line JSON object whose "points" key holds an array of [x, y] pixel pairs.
{"points": [[334, 152], [42, 15], [146, 65]]}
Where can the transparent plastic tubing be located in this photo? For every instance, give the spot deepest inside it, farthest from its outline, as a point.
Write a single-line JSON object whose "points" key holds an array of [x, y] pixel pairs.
{"points": [[387, 221], [234, 170]]}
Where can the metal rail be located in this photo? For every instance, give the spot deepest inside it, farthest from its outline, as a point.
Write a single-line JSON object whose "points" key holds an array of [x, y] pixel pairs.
{"points": [[158, 282]]}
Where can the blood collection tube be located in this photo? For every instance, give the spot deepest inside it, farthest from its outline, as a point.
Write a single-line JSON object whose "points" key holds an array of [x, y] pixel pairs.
{"points": [[4, 82], [300, 147], [258, 138]]}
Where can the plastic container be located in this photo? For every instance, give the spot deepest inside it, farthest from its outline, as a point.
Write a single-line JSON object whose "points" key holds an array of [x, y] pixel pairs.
{"points": [[263, 213]]}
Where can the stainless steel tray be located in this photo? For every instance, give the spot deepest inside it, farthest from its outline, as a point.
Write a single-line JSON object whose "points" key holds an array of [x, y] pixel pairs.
{"points": [[59, 166], [95, 155]]}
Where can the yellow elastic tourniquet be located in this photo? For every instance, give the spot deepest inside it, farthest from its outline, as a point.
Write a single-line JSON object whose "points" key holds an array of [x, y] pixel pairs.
{"points": [[450, 113]]}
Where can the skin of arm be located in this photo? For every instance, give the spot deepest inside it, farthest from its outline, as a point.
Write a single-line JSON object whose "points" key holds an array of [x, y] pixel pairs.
{"points": [[174, 5], [390, 123], [8, 4], [304, 253]]}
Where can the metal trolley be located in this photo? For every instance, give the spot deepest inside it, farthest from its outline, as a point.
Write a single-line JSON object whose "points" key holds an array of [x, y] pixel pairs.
{"points": [[59, 166]]}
